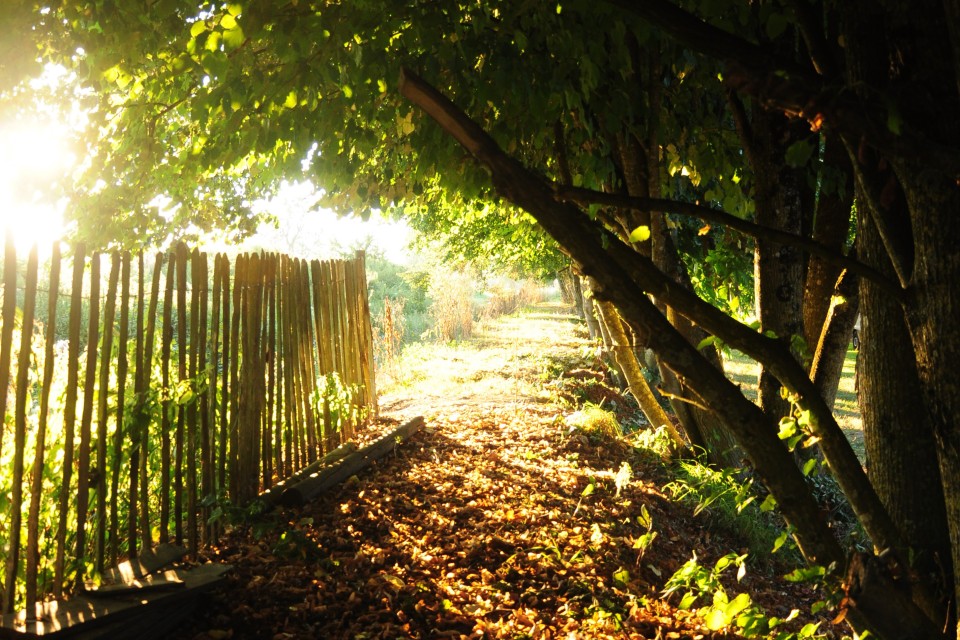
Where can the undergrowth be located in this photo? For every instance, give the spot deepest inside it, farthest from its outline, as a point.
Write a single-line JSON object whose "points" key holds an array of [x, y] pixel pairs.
{"points": [[730, 503]]}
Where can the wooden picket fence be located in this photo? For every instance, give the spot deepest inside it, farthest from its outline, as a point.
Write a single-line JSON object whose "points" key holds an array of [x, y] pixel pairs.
{"points": [[178, 387]]}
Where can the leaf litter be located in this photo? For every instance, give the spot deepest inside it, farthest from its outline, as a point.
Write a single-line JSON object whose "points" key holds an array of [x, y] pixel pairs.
{"points": [[496, 521]]}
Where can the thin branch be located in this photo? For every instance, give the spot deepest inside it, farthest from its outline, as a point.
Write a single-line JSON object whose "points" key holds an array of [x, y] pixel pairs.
{"points": [[708, 214], [812, 32], [701, 36], [869, 184]]}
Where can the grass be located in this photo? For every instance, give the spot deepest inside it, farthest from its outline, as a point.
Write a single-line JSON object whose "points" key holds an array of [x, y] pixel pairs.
{"points": [[743, 371]]}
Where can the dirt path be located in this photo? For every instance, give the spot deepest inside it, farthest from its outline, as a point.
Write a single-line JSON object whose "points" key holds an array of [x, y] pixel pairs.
{"points": [[496, 521], [498, 368]]}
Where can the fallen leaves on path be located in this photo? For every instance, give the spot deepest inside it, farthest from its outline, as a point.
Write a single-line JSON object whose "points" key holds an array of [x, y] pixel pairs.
{"points": [[483, 525]]}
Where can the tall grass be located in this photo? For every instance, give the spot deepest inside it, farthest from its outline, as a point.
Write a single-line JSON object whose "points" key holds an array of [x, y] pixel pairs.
{"points": [[507, 297], [451, 307]]}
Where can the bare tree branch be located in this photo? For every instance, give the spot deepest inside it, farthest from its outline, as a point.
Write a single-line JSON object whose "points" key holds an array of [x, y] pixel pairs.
{"points": [[716, 216]]}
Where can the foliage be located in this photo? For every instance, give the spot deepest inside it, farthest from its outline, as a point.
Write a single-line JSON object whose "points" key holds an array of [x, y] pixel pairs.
{"points": [[722, 612], [595, 421], [721, 270], [729, 502], [393, 285], [336, 402]]}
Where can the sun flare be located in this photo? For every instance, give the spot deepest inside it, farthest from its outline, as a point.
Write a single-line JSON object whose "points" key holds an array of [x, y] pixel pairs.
{"points": [[34, 156]]}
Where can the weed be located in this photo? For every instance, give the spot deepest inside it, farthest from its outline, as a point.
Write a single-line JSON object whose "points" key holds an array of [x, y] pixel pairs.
{"points": [[595, 422], [720, 611], [730, 503]]}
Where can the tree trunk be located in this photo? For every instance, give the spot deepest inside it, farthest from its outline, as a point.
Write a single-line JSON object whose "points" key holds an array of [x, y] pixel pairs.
{"points": [[830, 226], [588, 313], [910, 397], [704, 428], [901, 451], [568, 294], [827, 322], [627, 359], [778, 268], [934, 202]]}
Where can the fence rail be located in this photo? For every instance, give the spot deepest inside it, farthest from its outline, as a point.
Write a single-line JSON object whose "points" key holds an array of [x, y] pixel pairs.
{"points": [[154, 392]]}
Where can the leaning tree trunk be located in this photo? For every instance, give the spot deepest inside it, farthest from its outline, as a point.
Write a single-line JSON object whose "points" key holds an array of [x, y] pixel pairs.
{"points": [[627, 277], [831, 347], [627, 359]]}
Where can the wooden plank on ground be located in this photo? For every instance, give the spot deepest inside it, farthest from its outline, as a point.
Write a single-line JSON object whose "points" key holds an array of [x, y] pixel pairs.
{"points": [[317, 483], [271, 497], [146, 563], [145, 614], [162, 581]]}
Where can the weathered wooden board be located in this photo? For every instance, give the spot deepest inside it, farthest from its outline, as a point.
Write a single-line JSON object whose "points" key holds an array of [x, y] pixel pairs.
{"points": [[145, 614], [164, 581], [315, 484], [271, 497], [143, 565]]}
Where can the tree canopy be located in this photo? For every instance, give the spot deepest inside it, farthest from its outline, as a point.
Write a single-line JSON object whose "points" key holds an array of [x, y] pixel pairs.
{"points": [[627, 131]]}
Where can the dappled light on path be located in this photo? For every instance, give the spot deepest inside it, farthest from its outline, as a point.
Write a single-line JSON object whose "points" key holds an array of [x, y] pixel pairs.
{"points": [[497, 520]]}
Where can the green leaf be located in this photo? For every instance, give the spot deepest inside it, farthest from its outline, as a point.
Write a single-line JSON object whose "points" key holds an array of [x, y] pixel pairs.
{"points": [[809, 465], [779, 542], [798, 153], [805, 574], [233, 38], [197, 28], [644, 519], [724, 562], [776, 24], [769, 504], [213, 41], [716, 619], [788, 428], [621, 576], [291, 100], [214, 63], [706, 342], [737, 605], [520, 39], [894, 121], [640, 234], [228, 22]]}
